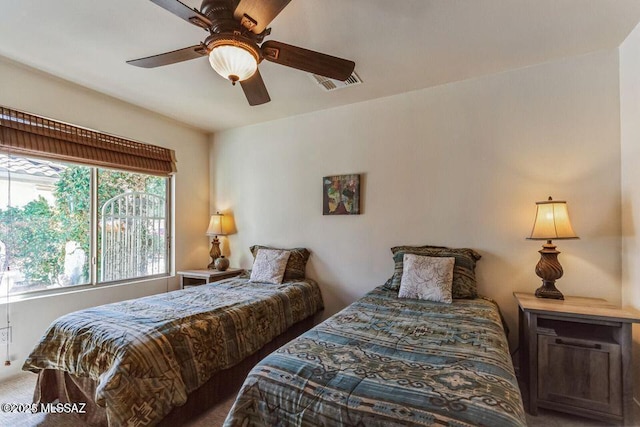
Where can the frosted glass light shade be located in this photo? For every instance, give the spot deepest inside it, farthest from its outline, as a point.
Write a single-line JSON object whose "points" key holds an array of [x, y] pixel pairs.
{"points": [[233, 62], [215, 225], [552, 221]]}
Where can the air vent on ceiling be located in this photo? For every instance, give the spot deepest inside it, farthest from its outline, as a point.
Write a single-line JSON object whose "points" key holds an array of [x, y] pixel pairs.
{"points": [[328, 84]]}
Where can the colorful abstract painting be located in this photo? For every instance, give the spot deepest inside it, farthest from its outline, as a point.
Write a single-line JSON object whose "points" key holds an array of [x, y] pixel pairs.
{"points": [[341, 195]]}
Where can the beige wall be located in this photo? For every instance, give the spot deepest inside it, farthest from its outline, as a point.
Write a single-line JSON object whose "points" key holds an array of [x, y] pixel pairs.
{"points": [[25, 89], [630, 143], [460, 165]]}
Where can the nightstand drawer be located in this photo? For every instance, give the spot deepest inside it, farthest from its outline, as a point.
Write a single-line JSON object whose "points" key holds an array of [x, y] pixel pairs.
{"points": [[580, 373], [193, 281], [190, 278]]}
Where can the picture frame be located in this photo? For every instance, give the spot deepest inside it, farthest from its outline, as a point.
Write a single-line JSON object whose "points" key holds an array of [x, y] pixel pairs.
{"points": [[341, 194]]}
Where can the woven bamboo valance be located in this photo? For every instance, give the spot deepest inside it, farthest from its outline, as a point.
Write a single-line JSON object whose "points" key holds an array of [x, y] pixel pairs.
{"points": [[28, 134]]}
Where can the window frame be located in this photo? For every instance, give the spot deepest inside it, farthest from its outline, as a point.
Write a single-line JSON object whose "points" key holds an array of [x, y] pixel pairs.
{"points": [[94, 231]]}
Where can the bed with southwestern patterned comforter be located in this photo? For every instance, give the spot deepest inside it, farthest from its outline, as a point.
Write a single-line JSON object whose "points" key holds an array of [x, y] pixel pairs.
{"points": [[386, 361], [146, 355]]}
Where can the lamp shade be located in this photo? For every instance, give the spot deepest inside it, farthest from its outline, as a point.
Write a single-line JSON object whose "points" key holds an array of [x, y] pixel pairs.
{"points": [[552, 221], [233, 62], [215, 225]]}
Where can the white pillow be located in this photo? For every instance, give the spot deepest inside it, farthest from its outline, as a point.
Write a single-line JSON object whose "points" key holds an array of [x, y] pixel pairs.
{"points": [[269, 266], [427, 278]]}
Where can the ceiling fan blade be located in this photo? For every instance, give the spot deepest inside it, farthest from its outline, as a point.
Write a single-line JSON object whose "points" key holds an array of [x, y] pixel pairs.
{"points": [[259, 13], [179, 55], [255, 90], [307, 60], [184, 12]]}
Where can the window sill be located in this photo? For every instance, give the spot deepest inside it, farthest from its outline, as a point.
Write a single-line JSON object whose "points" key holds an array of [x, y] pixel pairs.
{"points": [[4, 300]]}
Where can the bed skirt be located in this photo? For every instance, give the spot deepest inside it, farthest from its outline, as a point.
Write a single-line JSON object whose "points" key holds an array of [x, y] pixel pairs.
{"points": [[58, 386]]}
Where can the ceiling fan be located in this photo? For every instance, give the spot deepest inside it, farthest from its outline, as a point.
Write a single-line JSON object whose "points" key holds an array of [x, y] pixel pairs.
{"points": [[235, 45]]}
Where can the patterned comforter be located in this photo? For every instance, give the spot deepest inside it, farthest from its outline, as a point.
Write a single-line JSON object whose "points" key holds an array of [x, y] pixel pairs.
{"points": [[147, 354], [385, 361]]}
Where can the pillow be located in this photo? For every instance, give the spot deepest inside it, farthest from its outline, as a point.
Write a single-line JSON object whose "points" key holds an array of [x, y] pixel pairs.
{"points": [[295, 266], [464, 276], [269, 266], [428, 278]]}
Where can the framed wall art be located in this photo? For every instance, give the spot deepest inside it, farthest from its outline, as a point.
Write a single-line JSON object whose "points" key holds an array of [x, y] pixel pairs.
{"points": [[341, 195]]}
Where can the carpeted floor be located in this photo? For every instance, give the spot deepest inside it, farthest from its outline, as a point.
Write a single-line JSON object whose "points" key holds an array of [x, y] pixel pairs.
{"points": [[19, 389]]}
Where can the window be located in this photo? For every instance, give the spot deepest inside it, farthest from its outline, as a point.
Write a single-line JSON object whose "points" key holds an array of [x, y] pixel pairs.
{"points": [[50, 231], [132, 216]]}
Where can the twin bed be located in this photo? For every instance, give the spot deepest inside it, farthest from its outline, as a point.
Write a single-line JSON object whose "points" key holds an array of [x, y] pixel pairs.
{"points": [[383, 360], [136, 360], [387, 361]]}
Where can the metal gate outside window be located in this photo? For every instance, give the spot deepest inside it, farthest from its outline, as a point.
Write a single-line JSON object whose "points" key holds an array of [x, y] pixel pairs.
{"points": [[133, 237]]}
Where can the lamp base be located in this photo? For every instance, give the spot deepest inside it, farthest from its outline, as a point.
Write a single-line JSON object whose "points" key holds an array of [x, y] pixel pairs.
{"points": [[549, 290], [214, 253], [549, 270]]}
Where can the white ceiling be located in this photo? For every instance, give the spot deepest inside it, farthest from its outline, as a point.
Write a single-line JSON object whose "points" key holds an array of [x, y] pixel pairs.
{"points": [[398, 46]]}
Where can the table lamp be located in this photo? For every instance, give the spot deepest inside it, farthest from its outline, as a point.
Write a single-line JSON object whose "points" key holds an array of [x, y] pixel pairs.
{"points": [[215, 229], [551, 223]]}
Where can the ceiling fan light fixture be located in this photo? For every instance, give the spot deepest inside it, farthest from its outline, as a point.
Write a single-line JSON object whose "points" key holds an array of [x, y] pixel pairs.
{"points": [[233, 60]]}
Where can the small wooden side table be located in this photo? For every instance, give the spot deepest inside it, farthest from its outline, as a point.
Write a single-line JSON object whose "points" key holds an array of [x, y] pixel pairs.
{"points": [[202, 277], [575, 356]]}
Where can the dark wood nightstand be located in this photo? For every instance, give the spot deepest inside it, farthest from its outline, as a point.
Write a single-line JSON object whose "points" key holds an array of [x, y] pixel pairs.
{"points": [[575, 356], [202, 277]]}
